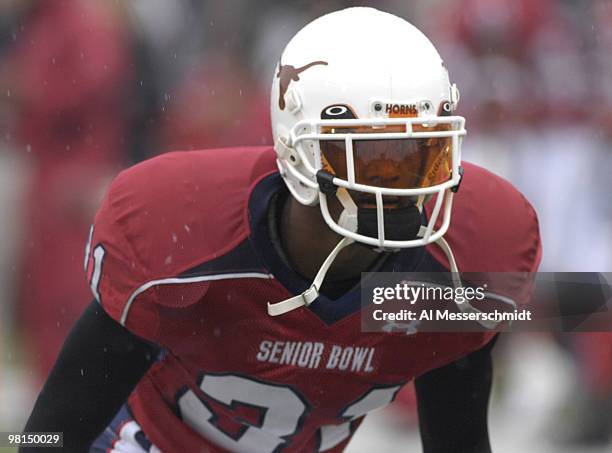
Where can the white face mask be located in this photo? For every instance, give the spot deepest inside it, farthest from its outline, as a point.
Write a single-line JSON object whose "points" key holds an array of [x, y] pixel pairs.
{"points": [[376, 167]]}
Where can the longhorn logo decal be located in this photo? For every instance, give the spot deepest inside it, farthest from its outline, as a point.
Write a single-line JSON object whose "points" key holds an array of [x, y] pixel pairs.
{"points": [[287, 74]]}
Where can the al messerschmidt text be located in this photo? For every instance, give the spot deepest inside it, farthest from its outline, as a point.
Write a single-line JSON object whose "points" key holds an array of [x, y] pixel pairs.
{"points": [[448, 315]]}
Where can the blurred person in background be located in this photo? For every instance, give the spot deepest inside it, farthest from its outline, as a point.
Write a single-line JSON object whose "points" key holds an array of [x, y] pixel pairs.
{"points": [[585, 417], [213, 101], [203, 73], [540, 98], [13, 180], [68, 75]]}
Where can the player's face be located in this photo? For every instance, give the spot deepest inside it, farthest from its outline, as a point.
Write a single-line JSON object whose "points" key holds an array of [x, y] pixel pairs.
{"points": [[407, 163]]}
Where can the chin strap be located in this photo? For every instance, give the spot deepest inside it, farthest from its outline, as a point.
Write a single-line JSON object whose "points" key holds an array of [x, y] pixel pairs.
{"points": [[449, 256], [465, 307], [308, 296]]}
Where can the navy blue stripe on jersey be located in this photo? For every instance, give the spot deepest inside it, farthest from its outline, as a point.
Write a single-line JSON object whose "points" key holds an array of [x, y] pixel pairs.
{"points": [[264, 242], [241, 259], [262, 238]]}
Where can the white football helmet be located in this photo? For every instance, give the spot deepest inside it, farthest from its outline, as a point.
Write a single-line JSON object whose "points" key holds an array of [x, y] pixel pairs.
{"points": [[362, 110]]}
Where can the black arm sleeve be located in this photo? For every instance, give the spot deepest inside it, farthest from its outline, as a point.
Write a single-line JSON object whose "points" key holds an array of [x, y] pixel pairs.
{"points": [[97, 368], [453, 404]]}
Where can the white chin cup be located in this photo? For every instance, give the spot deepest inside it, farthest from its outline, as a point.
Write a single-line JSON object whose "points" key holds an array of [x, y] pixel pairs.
{"points": [[347, 224]]}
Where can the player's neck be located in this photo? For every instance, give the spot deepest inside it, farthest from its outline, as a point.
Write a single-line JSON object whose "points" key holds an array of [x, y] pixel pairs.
{"points": [[307, 240]]}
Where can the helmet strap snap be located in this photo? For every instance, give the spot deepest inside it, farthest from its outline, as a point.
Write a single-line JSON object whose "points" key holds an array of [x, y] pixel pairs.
{"points": [[326, 182]]}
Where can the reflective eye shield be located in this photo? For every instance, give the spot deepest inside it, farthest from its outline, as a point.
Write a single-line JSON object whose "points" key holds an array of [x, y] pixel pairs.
{"points": [[408, 156], [407, 163]]}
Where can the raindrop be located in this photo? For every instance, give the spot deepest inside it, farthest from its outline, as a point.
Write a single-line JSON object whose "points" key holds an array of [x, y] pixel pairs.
{"points": [[174, 238]]}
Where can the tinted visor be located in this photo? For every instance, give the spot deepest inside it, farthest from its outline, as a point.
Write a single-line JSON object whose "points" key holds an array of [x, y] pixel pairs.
{"points": [[405, 163]]}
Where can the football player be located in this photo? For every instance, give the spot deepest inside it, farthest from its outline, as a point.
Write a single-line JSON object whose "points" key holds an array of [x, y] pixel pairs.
{"points": [[226, 281]]}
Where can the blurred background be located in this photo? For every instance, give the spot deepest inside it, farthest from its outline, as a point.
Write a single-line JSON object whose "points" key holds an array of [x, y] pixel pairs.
{"points": [[88, 87]]}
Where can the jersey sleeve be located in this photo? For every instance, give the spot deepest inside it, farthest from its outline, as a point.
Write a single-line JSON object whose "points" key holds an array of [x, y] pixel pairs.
{"points": [[115, 273], [494, 232], [493, 228], [161, 225]]}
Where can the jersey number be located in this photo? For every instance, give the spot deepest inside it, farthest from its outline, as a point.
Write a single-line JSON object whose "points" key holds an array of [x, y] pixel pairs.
{"points": [[93, 264], [244, 415]]}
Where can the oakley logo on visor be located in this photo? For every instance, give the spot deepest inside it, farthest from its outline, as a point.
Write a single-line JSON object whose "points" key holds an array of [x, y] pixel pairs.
{"points": [[338, 112]]}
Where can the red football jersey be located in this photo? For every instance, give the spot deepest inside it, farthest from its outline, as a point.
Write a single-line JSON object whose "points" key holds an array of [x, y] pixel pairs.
{"points": [[182, 253]]}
